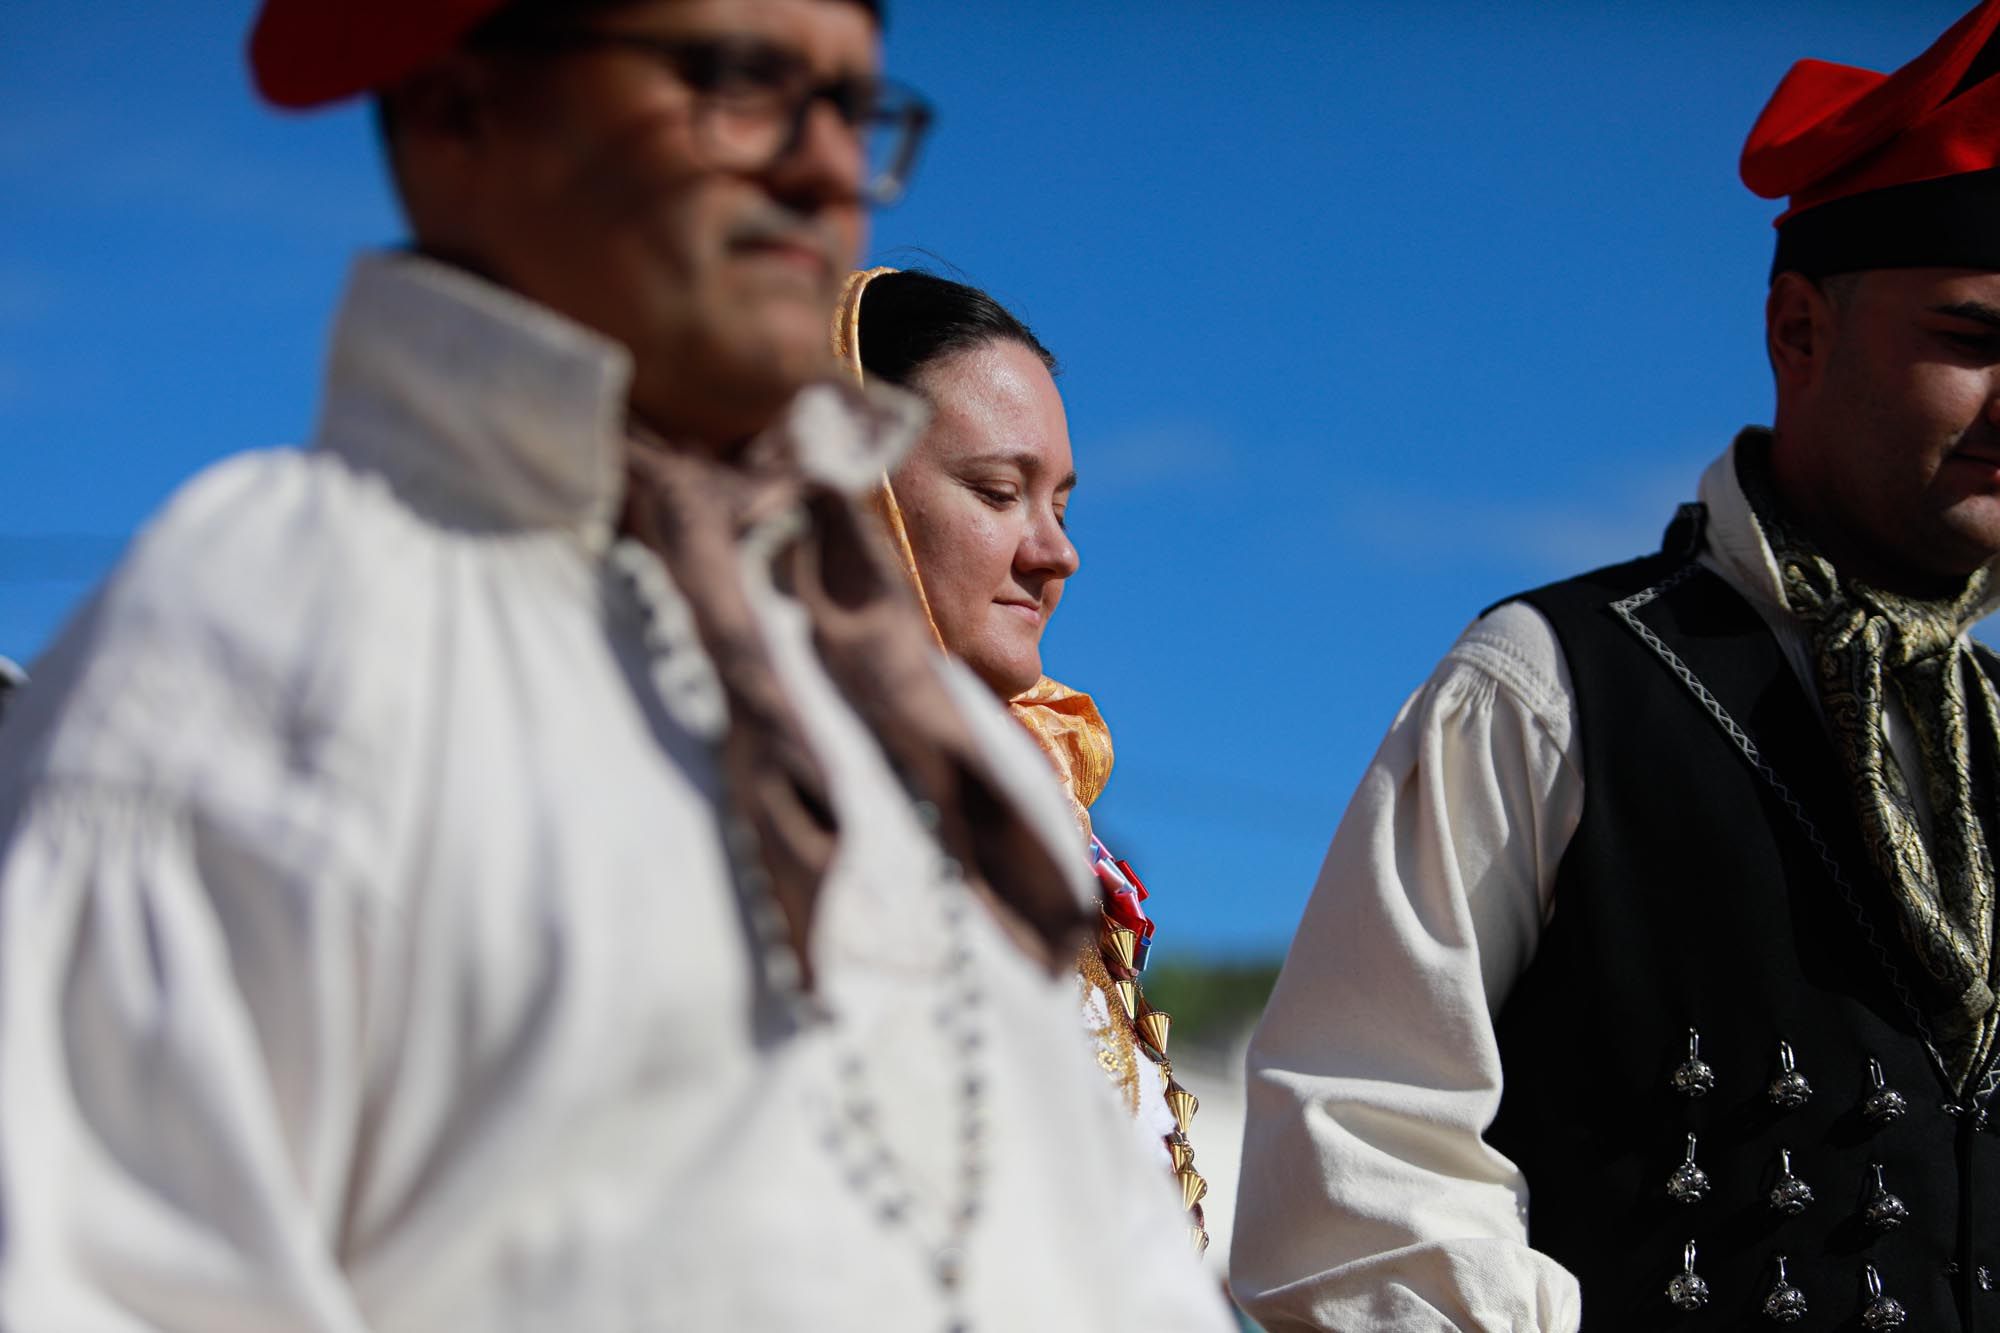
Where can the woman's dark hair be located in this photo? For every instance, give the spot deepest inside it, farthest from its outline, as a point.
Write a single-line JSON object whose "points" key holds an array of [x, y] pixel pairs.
{"points": [[911, 318]]}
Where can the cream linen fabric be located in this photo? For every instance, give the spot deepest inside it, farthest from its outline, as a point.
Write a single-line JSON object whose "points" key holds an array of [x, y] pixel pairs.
{"points": [[368, 953], [1369, 1199]]}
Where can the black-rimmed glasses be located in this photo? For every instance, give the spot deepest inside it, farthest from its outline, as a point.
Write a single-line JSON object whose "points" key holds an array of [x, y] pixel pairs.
{"points": [[751, 100]]}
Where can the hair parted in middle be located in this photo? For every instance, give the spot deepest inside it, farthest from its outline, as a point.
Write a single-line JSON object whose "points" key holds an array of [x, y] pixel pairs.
{"points": [[911, 319]]}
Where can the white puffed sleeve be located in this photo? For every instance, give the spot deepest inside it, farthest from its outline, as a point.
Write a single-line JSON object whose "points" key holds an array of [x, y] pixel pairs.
{"points": [[178, 1107], [1369, 1199], [184, 949]]}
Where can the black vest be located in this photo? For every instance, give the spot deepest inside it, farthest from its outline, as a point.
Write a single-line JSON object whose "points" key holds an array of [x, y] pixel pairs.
{"points": [[1694, 897]]}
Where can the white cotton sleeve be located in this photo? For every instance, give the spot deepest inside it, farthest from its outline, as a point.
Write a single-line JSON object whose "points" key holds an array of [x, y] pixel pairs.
{"points": [[1369, 1198], [177, 1102]]}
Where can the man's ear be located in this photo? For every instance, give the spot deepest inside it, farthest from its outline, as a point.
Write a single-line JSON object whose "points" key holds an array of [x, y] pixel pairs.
{"points": [[1799, 324], [438, 109], [433, 123]]}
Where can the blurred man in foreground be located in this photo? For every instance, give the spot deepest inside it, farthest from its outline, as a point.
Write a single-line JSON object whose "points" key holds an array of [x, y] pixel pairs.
{"points": [[520, 863], [1654, 959]]}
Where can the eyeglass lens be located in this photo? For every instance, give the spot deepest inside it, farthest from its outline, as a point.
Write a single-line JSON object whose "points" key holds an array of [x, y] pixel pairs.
{"points": [[753, 130]]}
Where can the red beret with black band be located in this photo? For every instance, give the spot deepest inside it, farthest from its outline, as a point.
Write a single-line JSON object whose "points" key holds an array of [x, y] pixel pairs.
{"points": [[1894, 170], [307, 53]]}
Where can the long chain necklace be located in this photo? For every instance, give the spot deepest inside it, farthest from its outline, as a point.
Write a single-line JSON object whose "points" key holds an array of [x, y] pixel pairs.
{"points": [[852, 1130]]}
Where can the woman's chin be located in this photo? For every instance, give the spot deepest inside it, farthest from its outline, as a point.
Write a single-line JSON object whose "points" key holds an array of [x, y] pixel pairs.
{"points": [[1010, 677]]}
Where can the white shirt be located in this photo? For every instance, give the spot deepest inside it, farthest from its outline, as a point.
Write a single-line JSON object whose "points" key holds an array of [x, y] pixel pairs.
{"points": [[369, 952], [1369, 1199]]}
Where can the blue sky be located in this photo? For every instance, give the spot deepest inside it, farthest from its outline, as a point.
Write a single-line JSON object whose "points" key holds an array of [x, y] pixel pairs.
{"points": [[1370, 314]]}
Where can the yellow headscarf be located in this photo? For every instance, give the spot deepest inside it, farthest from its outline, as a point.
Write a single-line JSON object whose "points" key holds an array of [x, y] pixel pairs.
{"points": [[1063, 721]]}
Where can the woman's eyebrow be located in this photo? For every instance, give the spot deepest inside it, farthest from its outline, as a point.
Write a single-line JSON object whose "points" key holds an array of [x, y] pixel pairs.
{"points": [[1025, 459]]}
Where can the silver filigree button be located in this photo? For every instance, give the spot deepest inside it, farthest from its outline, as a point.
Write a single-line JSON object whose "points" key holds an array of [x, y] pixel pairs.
{"points": [[1687, 1291], [1784, 1303], [1692, 1077], [1883, 1105], [1882, 1211], [1688, 1183], [1790, 1195], [1881, 1311], [1789, 1090]]}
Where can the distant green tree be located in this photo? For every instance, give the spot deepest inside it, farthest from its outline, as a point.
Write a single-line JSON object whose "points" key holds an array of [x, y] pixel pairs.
{"points": [[1211, 1002]]}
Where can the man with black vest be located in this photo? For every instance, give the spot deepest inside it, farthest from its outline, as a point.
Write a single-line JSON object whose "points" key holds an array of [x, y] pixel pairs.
{"points": [[1651, 972]]}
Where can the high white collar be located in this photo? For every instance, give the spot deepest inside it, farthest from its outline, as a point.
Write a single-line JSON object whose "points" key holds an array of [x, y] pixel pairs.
{"points": [[488, 411]]}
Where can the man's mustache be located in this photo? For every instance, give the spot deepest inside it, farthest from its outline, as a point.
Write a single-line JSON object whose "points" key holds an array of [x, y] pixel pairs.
{"points": [[776, 227]]}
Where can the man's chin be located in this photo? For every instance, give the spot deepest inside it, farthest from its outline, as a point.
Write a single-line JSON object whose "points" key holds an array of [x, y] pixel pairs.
{"points": [[721, 395], [1973, 514], [1977, 542], [781, 300], [776, 339], [763, 362], [1943, 545]]}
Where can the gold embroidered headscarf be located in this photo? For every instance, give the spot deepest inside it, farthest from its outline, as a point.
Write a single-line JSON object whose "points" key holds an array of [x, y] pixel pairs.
{"points": [[1063, 721]]}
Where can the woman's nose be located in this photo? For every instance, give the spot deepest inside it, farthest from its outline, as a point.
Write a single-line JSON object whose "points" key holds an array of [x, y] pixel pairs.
{"points": [[1048, 549]]}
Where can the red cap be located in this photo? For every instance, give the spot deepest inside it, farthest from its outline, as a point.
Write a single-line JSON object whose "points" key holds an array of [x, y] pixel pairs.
{"points": [[306, 53], [1887, 170], [1835, 130]]}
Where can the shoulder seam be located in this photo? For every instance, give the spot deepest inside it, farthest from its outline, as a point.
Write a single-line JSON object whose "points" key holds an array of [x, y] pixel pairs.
{"points": [[1509, 670]]}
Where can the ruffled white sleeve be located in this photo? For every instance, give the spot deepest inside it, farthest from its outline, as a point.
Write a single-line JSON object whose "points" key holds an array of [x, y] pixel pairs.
{"points": [[183, 957], [171, 1150], [1369, 1199]]}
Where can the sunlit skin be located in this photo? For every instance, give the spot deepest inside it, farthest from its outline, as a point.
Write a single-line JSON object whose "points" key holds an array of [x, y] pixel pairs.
{"points": [[575, 180], [985, 493], [1888, 426]]}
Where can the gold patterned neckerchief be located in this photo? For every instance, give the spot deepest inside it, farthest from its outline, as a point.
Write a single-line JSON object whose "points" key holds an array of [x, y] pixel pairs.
{"points": [[1867, 642]]}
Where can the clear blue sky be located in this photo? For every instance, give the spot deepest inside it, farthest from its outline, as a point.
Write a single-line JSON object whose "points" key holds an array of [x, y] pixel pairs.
{"points": [[1370, 314]]}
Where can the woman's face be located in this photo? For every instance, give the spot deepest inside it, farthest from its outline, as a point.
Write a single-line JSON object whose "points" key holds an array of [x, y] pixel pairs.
{"points": [[983, 494]]}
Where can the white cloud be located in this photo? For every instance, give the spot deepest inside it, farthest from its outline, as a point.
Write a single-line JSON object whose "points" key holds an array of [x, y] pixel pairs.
{"points": [[1554, 535], [99, 162], [1156, 454]]}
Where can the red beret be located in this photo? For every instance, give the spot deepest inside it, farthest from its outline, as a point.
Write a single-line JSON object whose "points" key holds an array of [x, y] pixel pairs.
{"points": [[305, 53], [1887, 170]]}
